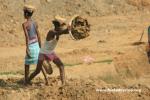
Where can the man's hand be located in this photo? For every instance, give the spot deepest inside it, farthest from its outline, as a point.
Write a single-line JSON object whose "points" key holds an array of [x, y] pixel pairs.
{"points": [[39, 44], [28, 52]]}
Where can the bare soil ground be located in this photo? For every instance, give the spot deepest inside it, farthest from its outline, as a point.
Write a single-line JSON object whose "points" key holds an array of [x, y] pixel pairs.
{"points": [[115, 26]]}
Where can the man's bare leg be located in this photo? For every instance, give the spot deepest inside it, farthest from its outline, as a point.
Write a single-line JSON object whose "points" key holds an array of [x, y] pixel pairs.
{"points": [[37, 71], [61, 70], [26, 73], [47, 66], [45, 76], [62, 74]]}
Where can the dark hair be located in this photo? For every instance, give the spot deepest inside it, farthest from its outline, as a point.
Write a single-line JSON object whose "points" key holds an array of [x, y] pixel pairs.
{"points": [[27, 13], [56, 23]]}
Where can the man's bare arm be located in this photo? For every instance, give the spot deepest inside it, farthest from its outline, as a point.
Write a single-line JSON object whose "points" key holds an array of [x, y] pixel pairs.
{"points": [[26, 37], [25, 33], [65, 31], [38, 35]]}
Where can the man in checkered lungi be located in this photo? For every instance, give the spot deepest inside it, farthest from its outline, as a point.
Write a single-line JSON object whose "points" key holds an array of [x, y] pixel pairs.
{"points": [[33, 42]]}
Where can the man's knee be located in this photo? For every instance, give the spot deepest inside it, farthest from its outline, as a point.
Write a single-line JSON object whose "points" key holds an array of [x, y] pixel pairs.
{"points": [[26, 66], [39, 67], [59, 63], [37, 71], [61, 68]]}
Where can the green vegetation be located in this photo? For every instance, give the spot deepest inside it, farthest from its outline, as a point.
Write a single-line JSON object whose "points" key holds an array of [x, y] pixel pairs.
{"points": [[109, 61]]}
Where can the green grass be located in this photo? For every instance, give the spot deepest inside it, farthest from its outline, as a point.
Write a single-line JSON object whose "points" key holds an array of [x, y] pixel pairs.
{"points": [[70, 65], [20, 72], [9, 73], [109, 61]]}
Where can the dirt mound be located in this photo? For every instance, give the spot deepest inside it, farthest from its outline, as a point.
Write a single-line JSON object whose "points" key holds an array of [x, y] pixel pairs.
{"points": [[74, 90], [133, 64]]}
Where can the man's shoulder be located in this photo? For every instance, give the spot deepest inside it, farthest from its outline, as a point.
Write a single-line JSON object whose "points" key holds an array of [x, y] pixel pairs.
{"points": [[51, 31], [25, 23]]}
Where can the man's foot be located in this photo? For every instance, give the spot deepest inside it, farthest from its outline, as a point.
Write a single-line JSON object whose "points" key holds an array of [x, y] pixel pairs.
{"points": [[26, 83], [60, 83], [21, 81]]}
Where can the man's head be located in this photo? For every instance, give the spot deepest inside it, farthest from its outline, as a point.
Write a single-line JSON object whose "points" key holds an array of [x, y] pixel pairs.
{"points": [[28, 11], [59, 23]]}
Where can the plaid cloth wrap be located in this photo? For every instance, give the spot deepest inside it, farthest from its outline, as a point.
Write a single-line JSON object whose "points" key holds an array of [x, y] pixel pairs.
{"points": [[34, 53]]}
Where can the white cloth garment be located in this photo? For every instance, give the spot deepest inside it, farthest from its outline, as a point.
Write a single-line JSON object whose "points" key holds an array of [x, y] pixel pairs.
{"points": [[49, 46]]}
